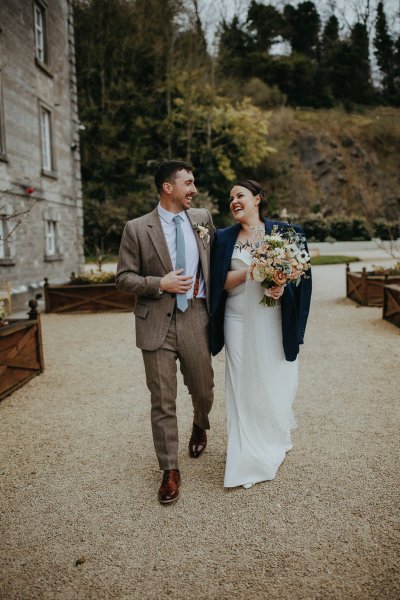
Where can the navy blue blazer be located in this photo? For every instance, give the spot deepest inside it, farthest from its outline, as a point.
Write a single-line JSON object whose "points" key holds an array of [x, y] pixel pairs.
{"points": [[295, 301]]}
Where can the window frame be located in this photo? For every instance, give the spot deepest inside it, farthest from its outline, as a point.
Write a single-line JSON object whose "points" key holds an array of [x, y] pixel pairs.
{"points": [[53, 252], [51, 238], [7, 256], [47, 149], [40, 7], [3, 148]]}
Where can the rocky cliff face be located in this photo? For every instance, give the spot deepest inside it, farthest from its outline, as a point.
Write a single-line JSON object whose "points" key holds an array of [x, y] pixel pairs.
{"points": [[333, 163]]}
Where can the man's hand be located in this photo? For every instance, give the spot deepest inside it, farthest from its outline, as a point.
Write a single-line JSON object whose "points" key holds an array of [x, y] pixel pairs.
{"points": [[175, 283]]}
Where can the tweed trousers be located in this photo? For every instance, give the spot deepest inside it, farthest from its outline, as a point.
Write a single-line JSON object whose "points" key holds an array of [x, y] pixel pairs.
{"points": [[186, 340]]}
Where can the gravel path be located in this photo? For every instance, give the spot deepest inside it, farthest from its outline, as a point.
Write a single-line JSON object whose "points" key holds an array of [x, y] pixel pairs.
{"points": [[79, 478]]}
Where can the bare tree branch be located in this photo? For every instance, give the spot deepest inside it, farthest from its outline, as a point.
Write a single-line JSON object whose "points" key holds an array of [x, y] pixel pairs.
{"points": [[4, 217]]}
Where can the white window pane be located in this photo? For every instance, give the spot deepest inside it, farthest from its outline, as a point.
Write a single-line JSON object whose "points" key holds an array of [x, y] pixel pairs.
{"points": [[2, 237], [50, 238], [39, 33], [45, 135]]}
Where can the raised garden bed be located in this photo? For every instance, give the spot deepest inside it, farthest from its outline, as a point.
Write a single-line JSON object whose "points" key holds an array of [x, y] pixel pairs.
{"points": [[366, 287], [86, 298], [391, 304], [21, 353]]}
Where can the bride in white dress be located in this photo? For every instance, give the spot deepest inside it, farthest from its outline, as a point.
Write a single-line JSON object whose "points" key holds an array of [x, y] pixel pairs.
{"points": [[260, 383]]}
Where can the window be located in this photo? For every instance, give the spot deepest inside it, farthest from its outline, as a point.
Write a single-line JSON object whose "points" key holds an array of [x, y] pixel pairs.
{"points": [[2, 127], [46, 140], [40, 33], [3, 235], [6, 245], [53, 250], [51, 228]]}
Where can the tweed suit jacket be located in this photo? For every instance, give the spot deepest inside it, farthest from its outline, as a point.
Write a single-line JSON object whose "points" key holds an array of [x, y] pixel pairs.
{"points": [[143, 260]]}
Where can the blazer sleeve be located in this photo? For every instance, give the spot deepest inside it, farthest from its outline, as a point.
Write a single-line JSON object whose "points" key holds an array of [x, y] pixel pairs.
{"points": [[218, 295], [129, 278], [302, 294]]}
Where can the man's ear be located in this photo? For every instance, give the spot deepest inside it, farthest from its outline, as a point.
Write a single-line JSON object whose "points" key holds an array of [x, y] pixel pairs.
{"points": [[167, 187]]}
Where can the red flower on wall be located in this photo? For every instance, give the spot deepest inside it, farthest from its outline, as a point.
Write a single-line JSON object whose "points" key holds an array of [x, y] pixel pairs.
{"points": [[30, 190]]}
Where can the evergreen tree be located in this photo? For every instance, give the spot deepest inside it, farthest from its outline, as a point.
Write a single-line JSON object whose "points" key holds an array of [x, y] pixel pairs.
{"points": [[359, 66], [302, 25], [330, 34], [266, 23], [384, 53], [396, 72], [235, 45]]}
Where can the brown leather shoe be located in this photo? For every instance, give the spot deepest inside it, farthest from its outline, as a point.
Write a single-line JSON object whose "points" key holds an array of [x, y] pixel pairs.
{"points": [[197, 442], [169, 490]]}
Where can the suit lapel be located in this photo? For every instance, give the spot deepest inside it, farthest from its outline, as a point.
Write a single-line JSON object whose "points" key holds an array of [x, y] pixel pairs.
{"points": [[202, 250], [157, 236]]}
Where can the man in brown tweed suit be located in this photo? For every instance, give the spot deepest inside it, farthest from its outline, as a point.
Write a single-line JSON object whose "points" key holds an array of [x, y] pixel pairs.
{"points": [[164, 260]]}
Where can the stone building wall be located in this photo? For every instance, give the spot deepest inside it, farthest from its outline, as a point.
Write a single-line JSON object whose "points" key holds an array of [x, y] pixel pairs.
{"points": [[28, 86]]}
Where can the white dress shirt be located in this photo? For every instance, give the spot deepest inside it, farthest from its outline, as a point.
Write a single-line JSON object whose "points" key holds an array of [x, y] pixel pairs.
{"points": [[191, 250]]}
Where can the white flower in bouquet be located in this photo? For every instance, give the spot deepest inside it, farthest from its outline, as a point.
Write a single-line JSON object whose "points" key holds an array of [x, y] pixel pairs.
{"points": [[303, 257], [279, 252], [292, 250], [258, 273]]}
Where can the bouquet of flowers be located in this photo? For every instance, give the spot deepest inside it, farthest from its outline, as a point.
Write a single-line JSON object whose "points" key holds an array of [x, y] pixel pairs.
{"points": [[277, 259]]}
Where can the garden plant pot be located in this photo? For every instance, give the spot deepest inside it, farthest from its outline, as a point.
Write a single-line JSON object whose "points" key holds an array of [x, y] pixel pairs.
{"points": [[391, 304], [86, 298], [366, 288], [21, 352]]}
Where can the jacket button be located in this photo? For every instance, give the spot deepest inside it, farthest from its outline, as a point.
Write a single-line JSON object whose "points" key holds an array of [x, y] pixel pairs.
{"points": [[168, 314]]}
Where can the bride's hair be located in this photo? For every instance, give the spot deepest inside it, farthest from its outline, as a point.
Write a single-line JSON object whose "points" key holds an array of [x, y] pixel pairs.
{"points": [[256, 189]]}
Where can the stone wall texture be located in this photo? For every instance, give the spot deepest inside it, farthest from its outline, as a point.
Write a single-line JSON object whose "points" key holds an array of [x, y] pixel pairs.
{"points": [[26, 83]]}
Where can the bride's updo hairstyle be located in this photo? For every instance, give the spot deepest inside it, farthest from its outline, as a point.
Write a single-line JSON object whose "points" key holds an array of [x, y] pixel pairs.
{"points": [[255, 189]]}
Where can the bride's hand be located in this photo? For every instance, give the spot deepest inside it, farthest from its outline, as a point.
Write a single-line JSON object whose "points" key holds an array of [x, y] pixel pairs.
{"points": [[276, 291]]}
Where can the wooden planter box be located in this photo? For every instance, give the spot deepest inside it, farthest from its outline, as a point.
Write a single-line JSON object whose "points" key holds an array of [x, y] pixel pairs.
{"points": [[367, 288], [391, 304], [86, 298], [21, 353]]}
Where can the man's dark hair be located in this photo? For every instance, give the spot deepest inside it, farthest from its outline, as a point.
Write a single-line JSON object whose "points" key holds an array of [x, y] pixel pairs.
{"points": [[167, 170]]}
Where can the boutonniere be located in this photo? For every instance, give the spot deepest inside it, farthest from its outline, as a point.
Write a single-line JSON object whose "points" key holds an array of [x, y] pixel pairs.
{"points": [[203, 232]]}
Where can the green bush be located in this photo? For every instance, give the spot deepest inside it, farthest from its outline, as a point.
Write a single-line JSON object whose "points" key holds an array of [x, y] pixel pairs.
{"points": [[341, 228], [386, 230], [361, 230], [92, 277], [315, 228]]}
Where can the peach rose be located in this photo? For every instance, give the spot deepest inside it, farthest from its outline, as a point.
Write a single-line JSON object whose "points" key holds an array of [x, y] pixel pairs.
{"points": [[280, 278]]}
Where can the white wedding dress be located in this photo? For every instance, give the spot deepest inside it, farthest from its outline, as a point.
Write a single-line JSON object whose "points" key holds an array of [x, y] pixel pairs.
{"points": [[260, 385]]}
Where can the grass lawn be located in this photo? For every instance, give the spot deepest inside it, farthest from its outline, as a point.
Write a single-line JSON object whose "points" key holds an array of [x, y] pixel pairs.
{"points": [[332, 259]]}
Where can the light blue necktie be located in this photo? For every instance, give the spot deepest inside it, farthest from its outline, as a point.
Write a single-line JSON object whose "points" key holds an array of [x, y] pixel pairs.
{"points": [[180, 263]]}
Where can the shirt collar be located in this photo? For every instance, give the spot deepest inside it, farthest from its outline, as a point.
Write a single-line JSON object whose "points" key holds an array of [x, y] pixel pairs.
{"points": [[168, 216]]}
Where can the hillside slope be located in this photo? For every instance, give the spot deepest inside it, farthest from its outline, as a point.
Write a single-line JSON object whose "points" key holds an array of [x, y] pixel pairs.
{"points": [[334, 163]]}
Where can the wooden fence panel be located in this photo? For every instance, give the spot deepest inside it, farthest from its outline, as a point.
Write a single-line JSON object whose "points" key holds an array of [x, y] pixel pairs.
{"points": [[86, 298], [367, 288], [391, 304], [21, 353]]}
